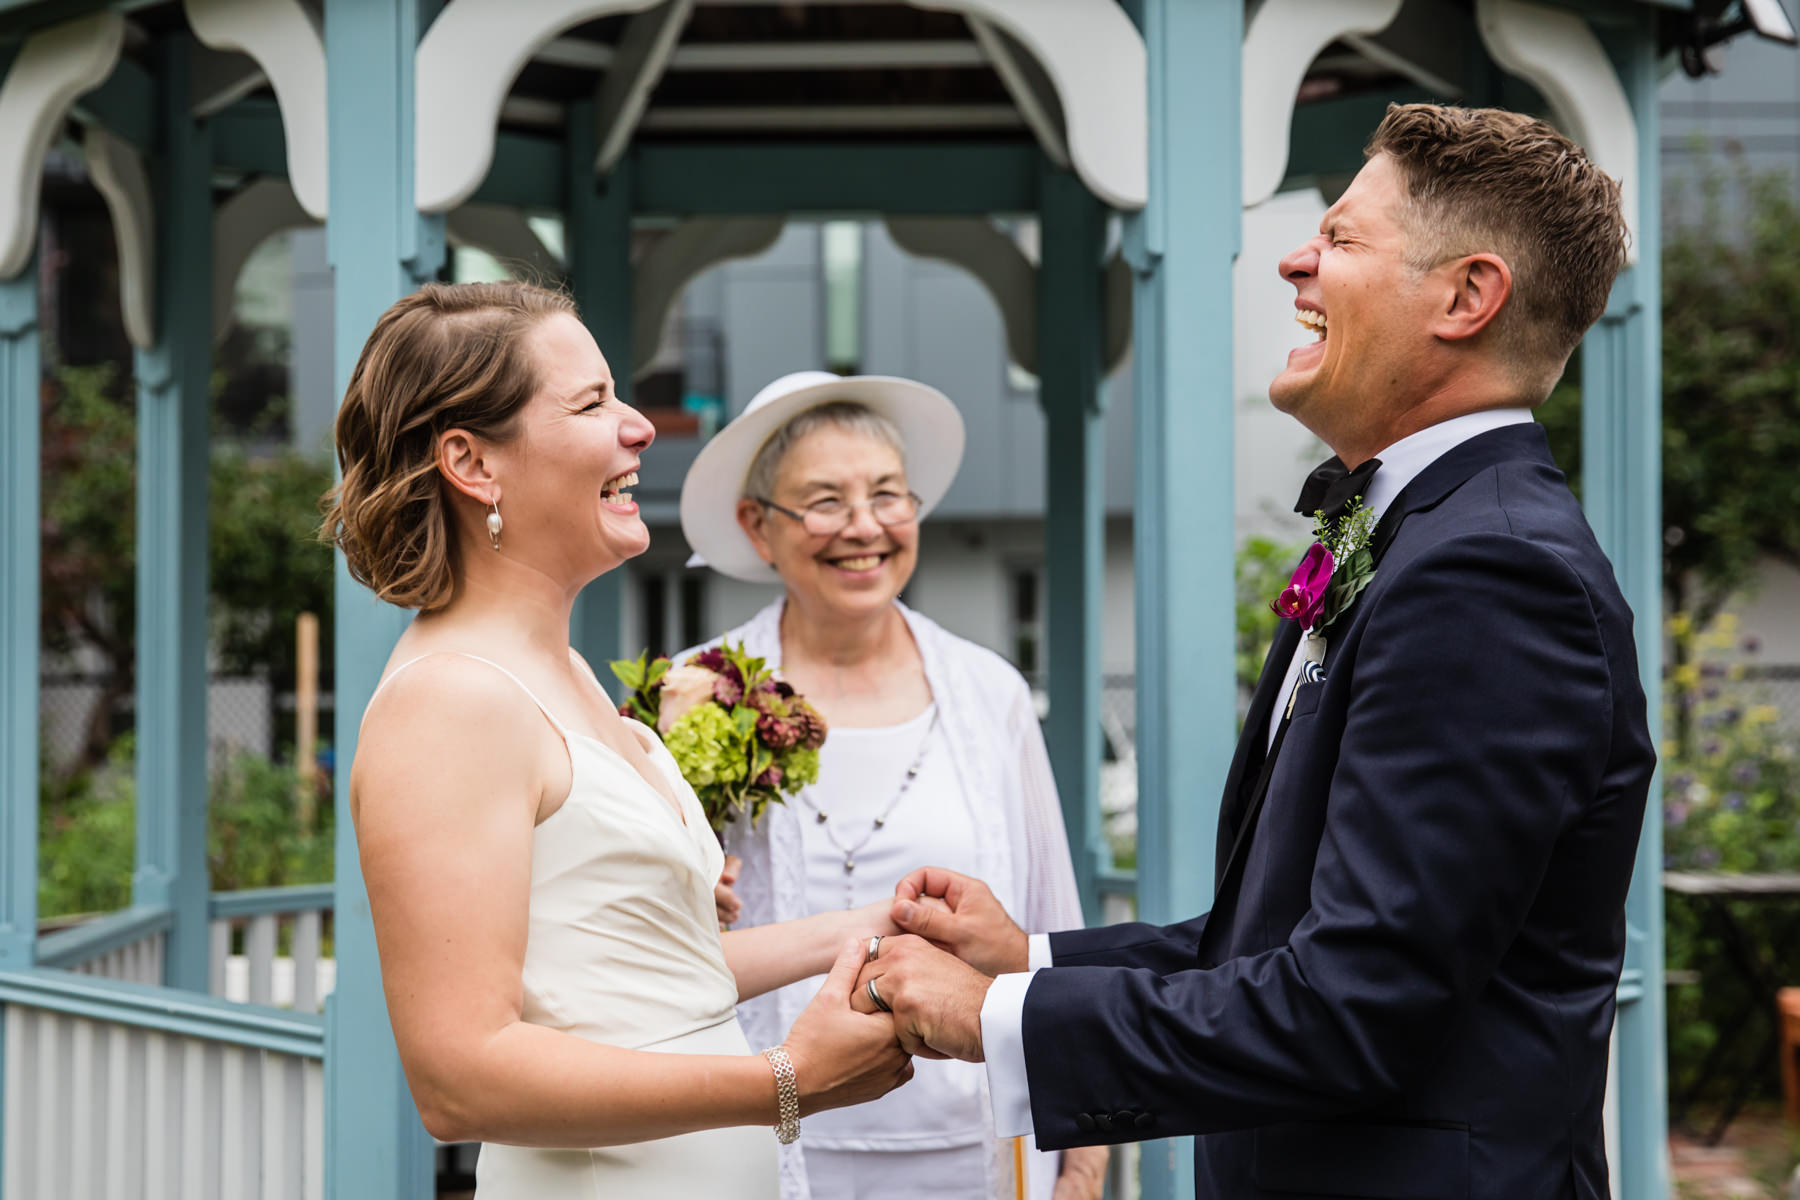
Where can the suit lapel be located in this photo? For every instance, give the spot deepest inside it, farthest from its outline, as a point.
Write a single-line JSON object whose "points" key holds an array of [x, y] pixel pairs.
{"points": [[1248, 783], [1253, 741]]}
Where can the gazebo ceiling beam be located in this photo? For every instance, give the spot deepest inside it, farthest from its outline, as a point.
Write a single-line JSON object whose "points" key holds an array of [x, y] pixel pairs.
{"points": [[125, 104], [746, 118], [835, 178], [644, 50], [1428, 44], [1029, 87], [779, 56], [219, 78]]}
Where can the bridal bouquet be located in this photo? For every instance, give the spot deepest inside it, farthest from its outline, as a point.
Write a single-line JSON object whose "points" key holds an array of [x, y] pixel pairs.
{"points": [[743, 738]]}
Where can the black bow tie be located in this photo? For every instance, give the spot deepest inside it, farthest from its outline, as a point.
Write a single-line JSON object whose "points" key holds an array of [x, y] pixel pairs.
{"points": [[1331, 487]]}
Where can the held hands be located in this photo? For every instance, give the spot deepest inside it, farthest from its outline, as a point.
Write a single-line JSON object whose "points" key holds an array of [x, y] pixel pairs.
{"points": [[841, 1056], [935, 999], [959, 914]]}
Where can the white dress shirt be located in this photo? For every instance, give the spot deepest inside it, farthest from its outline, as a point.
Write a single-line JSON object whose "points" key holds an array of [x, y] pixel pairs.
{"points": [[1002, 1013]]}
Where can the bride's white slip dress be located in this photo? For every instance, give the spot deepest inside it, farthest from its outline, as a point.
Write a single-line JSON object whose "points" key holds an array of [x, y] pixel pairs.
{"points": [[624, 949]]}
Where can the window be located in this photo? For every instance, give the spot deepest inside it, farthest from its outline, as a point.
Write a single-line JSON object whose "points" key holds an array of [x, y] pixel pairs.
{"points": [[842, 251], [1025, 598]]}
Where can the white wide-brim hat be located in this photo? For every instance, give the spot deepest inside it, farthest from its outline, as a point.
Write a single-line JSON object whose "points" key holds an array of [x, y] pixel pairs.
{"points": [[931, 436]]}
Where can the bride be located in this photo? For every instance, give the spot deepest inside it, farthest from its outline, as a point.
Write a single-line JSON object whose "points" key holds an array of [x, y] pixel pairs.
{"points": [[540, 877]]}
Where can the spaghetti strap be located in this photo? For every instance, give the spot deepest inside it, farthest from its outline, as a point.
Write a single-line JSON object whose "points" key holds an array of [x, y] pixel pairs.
{"points": [[548, 715]]}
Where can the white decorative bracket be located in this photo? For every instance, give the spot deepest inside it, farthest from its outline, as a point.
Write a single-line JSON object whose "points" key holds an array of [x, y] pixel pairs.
{"points": [[118, 173], [1010, 277], [507, 235], [674, 259], [465, 66], [644, 48], [284, 39], [1556, 51], [1029, 87], [54, 67], [1281, 42], [260, 210], [1095, 58]]}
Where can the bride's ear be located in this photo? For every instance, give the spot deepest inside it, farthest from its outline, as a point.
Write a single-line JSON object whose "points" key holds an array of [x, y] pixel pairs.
{"points": [[753, 518], [463, 461]]}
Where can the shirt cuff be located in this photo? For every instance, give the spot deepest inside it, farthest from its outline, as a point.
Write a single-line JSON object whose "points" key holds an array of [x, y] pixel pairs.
{"points": [[1003, 1046], [1037, 954]]}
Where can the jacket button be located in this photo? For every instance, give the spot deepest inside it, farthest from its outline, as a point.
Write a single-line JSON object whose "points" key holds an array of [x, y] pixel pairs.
{"points": [[1084, 1122], [1104, 1121], [1124, 1118], [1146, 1120]]}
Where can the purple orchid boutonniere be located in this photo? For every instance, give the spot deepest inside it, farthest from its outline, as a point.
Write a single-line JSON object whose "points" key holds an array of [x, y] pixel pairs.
{"points": [[1335, 570]]}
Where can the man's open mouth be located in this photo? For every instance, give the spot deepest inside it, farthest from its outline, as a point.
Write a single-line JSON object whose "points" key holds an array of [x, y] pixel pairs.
{"points": [[1313, 320]]}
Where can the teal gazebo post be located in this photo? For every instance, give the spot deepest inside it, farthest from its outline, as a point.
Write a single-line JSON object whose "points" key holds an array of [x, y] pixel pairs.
{"points": [[1072, 237], [20, 526], [1621, 468], [380, 248], [174, 389], [1181, 248], [597, 245]]}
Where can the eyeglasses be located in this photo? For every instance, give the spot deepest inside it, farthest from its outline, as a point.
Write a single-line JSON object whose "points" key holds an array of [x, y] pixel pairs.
{"points": [[824, 518]]}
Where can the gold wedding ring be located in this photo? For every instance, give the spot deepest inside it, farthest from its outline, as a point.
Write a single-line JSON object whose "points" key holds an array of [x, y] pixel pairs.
{"points": [[876, 997], [874, 948]]}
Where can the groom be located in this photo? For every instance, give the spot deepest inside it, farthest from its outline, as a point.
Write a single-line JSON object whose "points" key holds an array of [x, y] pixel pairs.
{"points": [[1406, 982]]}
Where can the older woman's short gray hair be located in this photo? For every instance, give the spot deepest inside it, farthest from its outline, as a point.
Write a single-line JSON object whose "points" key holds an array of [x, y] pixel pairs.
{"points": [[848, 415]]}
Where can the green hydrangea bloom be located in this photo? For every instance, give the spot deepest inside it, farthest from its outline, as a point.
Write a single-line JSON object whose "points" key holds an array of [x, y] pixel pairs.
{"points": [[707, 747], [801, 767]]}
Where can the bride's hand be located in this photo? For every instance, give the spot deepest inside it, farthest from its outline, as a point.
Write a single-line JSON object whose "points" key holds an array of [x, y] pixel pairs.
{"points": [[840, 1056]]}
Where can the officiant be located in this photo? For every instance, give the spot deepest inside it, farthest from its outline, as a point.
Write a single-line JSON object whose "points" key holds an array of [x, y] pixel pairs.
{"points": [[934, 756]]}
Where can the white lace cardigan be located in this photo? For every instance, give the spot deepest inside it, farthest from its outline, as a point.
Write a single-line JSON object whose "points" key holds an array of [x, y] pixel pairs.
{"points": [[1022, 848]]}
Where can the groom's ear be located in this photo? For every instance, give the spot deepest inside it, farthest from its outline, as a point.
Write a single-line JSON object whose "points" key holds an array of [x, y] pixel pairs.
{"points": [[1478, 287]]}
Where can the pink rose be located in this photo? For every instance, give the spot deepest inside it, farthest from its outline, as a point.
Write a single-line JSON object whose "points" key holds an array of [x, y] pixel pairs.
{"points": [[682, 689], [1304, 595]]}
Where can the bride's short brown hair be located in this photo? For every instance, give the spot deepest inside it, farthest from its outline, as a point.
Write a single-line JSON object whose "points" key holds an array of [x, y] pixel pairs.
{"points": [[449, 356]]}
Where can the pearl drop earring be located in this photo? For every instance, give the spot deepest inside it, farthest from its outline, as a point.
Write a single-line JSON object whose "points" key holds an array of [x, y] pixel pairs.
{"points": [[494, 524]]}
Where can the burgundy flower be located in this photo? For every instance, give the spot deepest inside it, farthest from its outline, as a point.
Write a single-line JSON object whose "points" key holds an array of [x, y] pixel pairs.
{"points": [[779, 734], [713, 660], [1304, 595], [727, 690], [783, 689], [625, 710], [808, 716]]}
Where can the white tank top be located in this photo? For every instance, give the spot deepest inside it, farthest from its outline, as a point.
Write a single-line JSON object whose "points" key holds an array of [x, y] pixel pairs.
{"points": [[624, 936]]}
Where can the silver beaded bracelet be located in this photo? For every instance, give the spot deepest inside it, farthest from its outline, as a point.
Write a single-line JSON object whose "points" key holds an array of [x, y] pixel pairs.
{"points": [[787, 1095]]}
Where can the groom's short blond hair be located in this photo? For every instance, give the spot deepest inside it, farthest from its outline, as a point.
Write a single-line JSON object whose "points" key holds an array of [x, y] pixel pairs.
{"points": [[1488, 180]]}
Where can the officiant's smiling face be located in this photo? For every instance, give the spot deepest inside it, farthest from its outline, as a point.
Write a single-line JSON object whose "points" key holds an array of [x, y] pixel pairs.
{"points": [[861, 568], [1367, 306]]}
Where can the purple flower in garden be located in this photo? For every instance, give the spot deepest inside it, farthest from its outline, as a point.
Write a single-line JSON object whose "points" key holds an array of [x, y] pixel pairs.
{"points": [[1681, 782], [1734, 801], [1304, 595], [1712, 747], [1675, 814], [1745, 773]]}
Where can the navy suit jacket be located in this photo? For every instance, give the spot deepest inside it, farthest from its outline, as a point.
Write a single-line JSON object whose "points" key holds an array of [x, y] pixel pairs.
{"points": [[1407, 980]]}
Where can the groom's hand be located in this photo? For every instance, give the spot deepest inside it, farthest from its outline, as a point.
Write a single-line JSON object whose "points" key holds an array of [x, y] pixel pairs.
{"points": [[970, 923], [936, 999]]}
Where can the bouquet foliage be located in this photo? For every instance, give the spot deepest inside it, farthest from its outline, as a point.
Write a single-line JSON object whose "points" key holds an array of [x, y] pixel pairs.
{"points": [[743, 738]]}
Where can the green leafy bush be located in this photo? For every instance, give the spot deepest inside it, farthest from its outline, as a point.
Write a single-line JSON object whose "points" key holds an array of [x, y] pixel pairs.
{"points": [[88, 833]]}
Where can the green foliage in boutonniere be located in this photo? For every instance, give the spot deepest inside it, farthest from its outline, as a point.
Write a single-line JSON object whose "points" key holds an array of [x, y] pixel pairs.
{"points": [[1348, 540]]}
